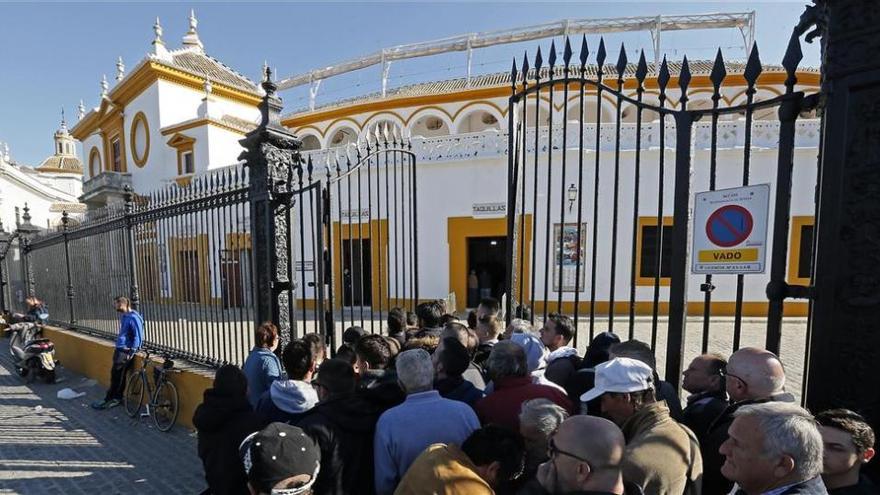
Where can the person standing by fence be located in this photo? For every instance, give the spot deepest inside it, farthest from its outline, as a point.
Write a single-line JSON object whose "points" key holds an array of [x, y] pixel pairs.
{"points": [[129, 340], [262, 366]]}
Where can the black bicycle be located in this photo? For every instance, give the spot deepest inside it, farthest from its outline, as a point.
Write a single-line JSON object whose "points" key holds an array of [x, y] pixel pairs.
{"points": [[162, 404]]}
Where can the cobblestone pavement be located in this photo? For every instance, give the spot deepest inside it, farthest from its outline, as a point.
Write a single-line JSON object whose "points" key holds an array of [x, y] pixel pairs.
{"points": [[49, 445]]}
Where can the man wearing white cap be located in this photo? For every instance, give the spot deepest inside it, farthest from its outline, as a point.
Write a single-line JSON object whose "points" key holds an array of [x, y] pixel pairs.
{"points": [[662, 456]]}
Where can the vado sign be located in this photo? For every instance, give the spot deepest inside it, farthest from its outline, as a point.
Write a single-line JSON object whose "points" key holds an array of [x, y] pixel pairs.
{"points": [[730, 230]]}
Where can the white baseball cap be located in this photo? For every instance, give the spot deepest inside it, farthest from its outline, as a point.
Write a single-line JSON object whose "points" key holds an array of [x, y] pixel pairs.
{"points": [[620, 375]]}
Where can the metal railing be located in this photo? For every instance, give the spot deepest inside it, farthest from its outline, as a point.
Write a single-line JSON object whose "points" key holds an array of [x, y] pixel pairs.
{"points": [[182, 254]]}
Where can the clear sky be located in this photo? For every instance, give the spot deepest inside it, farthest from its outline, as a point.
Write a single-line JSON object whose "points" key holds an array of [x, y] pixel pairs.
{"points": [[53, 54]]}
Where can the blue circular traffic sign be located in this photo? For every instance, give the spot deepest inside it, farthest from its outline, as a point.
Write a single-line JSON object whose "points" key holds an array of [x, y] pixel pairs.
{"points": [[729, 225]]}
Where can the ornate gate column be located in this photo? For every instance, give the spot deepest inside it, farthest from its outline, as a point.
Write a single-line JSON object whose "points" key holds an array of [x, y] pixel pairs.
{"points": [[271, 155], [845, 343]]}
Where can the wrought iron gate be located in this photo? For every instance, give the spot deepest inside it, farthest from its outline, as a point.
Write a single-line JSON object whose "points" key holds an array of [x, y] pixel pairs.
{"points": [[359, 213], [570, 182]]}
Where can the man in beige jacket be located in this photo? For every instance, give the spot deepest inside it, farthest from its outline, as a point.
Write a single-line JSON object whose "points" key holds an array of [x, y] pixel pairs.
{"points": [[662, 456], [490, 457]]}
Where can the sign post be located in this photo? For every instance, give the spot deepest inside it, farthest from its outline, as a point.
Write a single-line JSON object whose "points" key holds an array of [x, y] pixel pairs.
{"points": [[730, 230]]}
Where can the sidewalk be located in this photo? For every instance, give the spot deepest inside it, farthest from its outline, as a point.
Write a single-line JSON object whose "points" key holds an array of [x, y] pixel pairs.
{"points": [[49, 445]]}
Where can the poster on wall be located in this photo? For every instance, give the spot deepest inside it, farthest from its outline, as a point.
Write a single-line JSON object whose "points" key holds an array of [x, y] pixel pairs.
{"points": [[567, 236]]}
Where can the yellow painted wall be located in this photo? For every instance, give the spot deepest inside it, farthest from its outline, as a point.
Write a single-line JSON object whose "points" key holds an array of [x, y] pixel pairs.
{"points": [[91, 356]]}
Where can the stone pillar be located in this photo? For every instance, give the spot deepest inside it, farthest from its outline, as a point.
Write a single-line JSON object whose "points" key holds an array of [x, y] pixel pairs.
{"points": [[844, 346]]}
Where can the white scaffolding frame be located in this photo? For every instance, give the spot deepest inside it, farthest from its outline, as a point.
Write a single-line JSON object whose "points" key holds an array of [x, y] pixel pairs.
{"points": [[743, 21]]}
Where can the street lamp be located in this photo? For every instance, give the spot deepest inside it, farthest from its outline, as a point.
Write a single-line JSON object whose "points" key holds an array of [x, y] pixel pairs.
{"points": [[572, 195]]}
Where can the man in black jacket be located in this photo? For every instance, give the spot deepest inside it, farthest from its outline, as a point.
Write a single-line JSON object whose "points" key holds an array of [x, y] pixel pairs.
{"points": [[704, 379], [377, 382], [343, 424], [753, 376], [849, 445], [223, 420]]}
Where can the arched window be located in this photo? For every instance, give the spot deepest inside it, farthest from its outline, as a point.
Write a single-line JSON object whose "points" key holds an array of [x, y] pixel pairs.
{"points": [[94, 162], [430, 126], [342, 136], [478, 121], [310, 142]]}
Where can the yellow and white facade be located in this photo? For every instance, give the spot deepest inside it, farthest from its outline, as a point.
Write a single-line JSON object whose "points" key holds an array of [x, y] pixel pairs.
{"points": [[178, 113]]}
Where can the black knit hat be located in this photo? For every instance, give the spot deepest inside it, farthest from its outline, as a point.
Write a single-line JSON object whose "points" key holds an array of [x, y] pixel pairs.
{"points": [[276, 453]]}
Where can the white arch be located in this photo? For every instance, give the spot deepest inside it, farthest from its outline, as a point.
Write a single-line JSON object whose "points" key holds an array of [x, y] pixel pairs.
{"points": [[463, 119], [341, 127], [543, 110], [421, 114], [310, 133], [368, 125], [574, 107]]}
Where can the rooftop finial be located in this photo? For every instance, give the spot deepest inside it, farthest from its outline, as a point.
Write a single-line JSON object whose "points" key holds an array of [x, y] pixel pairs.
{"points": [[157, 28], [209, 88], [120, 69], [80, 110], [63, 121], [105, 87], [267, 72], [191, 38], [159, 50]]}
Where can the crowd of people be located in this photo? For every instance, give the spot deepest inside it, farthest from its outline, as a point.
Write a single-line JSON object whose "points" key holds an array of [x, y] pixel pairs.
{"points": [[435, 405]]}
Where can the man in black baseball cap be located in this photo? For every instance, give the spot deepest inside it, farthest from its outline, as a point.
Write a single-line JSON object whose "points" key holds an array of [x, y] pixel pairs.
{"points": [[280, 460]]}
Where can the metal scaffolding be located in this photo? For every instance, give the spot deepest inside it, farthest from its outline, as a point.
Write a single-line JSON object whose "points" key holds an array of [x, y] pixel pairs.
{"points": [[744, 21]]}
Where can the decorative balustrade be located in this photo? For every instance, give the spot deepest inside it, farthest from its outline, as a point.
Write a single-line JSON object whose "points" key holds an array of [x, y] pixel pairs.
{"points": [[493, 143]]}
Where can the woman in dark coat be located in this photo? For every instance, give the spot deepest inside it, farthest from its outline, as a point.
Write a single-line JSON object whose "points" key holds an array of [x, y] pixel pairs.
{"points": [[223, 420]]}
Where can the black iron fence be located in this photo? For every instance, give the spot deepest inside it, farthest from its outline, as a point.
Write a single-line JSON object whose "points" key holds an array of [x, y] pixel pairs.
{"points": [[271, 238], [603, 234], [182, 254]]}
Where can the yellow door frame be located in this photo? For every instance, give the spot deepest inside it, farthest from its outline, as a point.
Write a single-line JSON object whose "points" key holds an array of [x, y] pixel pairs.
{"points": [[459, 229], [365, 230], [199, 244]]}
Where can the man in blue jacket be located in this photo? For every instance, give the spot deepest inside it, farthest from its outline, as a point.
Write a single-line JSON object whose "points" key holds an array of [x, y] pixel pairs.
{"points": [[131, 336]]}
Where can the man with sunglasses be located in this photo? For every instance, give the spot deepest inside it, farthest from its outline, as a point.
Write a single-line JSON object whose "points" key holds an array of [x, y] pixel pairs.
{"points": [[752, 376], [578, 467]]}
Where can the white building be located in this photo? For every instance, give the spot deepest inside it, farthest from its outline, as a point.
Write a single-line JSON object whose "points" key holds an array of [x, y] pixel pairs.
{"points": [[459, 130], [181, 112], [178, 113], [49, 189]]}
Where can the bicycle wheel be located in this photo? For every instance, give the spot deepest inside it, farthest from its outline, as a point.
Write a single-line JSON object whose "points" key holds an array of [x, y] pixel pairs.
{"points": [[135, 389], [165, 406]]}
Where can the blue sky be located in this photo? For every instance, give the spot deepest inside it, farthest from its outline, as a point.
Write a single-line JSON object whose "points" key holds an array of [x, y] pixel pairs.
{"points": [[53, 54]]}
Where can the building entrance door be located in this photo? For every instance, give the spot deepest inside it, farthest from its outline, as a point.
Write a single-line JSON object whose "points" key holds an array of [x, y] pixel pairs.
{"points": [[486, 273], [357, 268]]}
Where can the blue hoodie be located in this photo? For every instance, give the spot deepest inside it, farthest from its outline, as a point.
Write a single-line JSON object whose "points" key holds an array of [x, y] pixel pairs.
{"points": [[131, 331]]}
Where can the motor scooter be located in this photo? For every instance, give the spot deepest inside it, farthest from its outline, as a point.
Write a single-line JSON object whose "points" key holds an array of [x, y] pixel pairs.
{"points": [[33, 356]]}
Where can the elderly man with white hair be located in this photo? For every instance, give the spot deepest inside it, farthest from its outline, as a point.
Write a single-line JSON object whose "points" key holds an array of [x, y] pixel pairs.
{"points": [[538, 421], [423, 419], [774, 448], [752, 376]]}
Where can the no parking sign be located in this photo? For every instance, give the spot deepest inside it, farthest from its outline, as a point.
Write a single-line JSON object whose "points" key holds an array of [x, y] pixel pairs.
{"points": [[730, 230]]}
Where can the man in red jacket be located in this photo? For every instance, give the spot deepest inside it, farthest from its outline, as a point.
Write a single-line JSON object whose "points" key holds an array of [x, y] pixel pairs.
{"points": [[512, 386]]}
